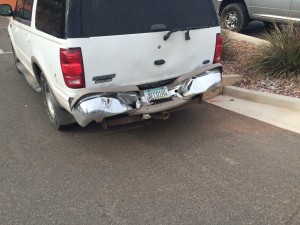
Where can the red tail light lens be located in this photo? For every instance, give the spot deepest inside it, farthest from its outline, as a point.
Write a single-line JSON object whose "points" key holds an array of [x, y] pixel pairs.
{"points": [[72, 67], [218, 51]]}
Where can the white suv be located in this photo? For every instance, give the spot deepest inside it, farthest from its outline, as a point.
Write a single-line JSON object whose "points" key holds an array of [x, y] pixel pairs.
{"points": [[116, 61]]}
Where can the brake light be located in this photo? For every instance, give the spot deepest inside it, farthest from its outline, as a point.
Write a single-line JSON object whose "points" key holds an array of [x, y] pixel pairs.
{"points": [[218, 51], [72, 67]]}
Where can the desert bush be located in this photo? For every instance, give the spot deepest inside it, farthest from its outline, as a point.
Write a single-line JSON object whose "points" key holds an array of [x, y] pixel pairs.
{"points": [[280, 56]]}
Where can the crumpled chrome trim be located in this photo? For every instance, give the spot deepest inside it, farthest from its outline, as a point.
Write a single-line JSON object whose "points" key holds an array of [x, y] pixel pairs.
{"points": [[99, 106], [201, 84]]}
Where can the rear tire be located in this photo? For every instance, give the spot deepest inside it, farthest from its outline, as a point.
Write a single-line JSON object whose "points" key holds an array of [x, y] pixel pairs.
{"points": [[58, 116], [235, 17]]}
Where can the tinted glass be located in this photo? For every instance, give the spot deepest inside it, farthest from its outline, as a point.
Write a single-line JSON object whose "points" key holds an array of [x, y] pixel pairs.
{"points": [[5, 10], [23, 9], [115, 17], [50, 17]]}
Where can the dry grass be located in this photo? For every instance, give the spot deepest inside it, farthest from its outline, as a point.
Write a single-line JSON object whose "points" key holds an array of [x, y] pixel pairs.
{"points": [[238, 62], [281, 56]]}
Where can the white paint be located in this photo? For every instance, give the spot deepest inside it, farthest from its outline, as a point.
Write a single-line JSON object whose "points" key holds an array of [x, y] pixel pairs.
{"points": [[2, 53], [131, 57]]}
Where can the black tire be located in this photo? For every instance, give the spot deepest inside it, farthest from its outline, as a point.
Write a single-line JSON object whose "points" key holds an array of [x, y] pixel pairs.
{"points": [[16, 61], [235, 17], [58, 116]]}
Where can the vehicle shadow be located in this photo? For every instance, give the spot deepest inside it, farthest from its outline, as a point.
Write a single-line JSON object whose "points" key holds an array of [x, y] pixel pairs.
{"points": [[255, 28], [177, 119]]}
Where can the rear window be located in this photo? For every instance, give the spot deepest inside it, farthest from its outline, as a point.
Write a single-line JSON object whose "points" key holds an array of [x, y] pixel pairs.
{"points": [[117, 17]]}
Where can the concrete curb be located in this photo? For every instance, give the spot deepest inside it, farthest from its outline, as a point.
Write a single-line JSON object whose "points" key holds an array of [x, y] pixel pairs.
{"points": [[231, 79], [246, 38], [263, 97], [226, 80]]}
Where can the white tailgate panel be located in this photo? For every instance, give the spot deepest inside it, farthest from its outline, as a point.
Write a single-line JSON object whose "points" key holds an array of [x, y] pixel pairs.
{"points": [[131, 57]]}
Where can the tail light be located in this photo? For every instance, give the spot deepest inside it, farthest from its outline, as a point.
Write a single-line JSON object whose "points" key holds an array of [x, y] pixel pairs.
{"points": [[72, 67], [218, 51]]}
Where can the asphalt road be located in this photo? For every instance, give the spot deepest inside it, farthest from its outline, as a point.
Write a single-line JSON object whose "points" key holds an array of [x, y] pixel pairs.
{"points": [[204, 165]]}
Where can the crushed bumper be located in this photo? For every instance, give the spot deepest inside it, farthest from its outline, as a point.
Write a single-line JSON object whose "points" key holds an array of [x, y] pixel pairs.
{"points": [[97, 105]]}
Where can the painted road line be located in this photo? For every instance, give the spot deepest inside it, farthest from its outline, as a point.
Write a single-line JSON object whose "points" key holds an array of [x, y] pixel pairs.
{"points": [[2, 53]]}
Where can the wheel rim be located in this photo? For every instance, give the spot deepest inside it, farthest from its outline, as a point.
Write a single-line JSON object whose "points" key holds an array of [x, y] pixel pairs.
{"points": [[49, 103], [231, 20]]}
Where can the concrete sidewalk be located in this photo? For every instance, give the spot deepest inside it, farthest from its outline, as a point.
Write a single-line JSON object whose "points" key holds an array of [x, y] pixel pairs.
{"points": [[246, 38], [277, 110]]}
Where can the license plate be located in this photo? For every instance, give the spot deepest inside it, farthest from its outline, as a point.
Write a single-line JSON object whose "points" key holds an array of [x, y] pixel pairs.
{"points": [[156, 93]]}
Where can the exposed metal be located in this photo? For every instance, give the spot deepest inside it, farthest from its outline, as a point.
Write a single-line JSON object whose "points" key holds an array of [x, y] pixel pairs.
{"points": [[99, 106], [231, 20], [49, 100]]}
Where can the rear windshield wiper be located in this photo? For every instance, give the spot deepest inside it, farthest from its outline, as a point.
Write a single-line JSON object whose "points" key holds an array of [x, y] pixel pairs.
{"points": [[187, 34]]}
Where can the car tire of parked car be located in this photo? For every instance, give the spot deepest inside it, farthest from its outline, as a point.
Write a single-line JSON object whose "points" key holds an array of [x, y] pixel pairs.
{"points": [[235, 17], [58, 116], [16, 61]]}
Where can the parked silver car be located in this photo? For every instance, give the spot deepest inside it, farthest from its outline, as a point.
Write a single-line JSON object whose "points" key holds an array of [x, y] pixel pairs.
{"points": [[236, 14]]}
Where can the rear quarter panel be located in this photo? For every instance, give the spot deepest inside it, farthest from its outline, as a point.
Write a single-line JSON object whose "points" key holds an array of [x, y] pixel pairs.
{"points": [[45, 53], [295, 10]]}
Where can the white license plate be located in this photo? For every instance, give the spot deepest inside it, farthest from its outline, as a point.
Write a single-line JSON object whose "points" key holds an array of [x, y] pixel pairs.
{"points": [[157, 93]]}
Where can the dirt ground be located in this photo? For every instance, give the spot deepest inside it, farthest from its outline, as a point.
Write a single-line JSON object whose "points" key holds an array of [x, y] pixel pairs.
{"points": [[237, 59]]}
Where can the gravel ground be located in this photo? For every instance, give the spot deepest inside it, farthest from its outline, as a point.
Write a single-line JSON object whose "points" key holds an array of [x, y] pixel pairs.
{"points": [[236, 61]]}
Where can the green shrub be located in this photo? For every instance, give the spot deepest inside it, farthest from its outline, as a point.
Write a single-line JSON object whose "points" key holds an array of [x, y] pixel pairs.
{"points": [[281, 56]]}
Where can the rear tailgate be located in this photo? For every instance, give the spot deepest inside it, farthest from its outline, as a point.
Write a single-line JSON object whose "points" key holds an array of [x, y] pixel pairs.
{"points": [[122, 45]]}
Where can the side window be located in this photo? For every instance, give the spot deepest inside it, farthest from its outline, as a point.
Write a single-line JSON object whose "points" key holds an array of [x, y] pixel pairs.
{"points": [[50, 17], [23, 10]]}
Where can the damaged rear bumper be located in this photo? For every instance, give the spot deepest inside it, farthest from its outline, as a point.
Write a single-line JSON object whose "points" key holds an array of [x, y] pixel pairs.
{"points": [[96, 105]]}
